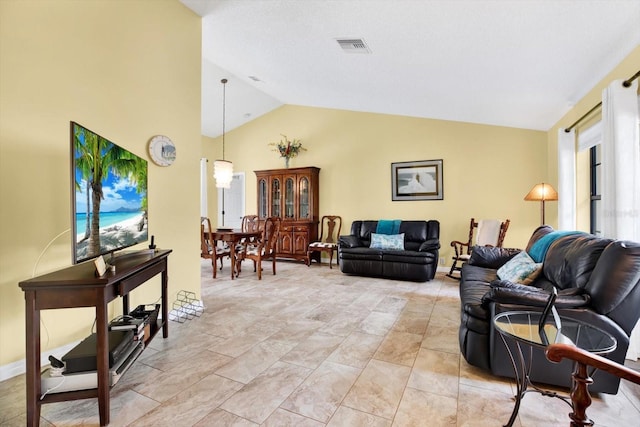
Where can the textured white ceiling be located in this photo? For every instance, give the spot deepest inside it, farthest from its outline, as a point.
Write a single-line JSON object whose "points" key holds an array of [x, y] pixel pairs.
{"points": [[516, 63]]}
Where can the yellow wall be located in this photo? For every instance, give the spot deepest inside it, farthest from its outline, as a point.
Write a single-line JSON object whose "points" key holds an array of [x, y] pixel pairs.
{"points": [[627, 68], [487, 169], [127, 70]]}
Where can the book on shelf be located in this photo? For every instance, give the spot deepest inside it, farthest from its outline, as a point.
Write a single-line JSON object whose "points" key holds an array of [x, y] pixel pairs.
{"points": [[127, 323]]}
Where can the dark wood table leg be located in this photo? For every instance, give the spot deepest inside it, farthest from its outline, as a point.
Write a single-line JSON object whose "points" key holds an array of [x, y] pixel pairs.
{"points": [[32, 322], [165, 300], [580, 397], [102, 358]]}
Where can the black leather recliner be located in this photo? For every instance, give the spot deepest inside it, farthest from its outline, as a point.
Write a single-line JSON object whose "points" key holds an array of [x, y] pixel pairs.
{"points": [[417, 262], [597, 281]]}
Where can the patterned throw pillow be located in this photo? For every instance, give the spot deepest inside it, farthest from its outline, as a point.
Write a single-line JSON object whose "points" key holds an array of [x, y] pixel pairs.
{"points": [[520, 269], [387, 241]]}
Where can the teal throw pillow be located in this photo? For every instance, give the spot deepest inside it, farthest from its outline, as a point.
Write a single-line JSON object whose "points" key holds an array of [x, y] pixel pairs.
{"points": [[387, 241], [520, 269]]}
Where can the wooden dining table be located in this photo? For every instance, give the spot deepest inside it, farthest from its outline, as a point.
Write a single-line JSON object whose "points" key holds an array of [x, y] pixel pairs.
{"points": [[232, 237]]}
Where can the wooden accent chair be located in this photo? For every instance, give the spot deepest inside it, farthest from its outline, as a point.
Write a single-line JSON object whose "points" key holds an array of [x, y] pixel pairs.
{"points": [[208, 246], [330, 226], [487, 232], [580, 397], [263, 248]]}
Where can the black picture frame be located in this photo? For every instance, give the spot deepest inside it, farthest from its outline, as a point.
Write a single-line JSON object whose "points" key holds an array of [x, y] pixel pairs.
{"points": [[418, 180]]}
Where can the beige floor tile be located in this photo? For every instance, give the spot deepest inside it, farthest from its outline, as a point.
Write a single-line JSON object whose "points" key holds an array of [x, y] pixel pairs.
{"points": [[379, 389], [311, 352], [321, 393], [400, 348], [218, 418], [413, 322], [441, 338], [252, 363], [345, 416], [282, 418], [377, 323], [192, 404], [435, 372], [356, 350], [258, 399], [417, 406], [479, 407]]}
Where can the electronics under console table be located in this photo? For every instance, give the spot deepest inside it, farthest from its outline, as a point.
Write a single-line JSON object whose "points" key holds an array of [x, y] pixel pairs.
{"points": [[79, 286]]}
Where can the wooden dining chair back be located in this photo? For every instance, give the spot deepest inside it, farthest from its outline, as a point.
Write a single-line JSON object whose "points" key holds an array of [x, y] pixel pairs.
{"points": [[484, 232], [264, 248], [251, 223], [330, 226], [208, 246]]}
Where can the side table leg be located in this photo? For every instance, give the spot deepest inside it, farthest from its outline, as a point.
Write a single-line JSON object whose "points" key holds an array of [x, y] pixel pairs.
{"points": [[32, 320], [580, 396], [521, 377]]}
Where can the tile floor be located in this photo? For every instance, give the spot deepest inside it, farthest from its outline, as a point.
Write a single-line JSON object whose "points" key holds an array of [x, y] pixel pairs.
{"points": [[313, 347]]}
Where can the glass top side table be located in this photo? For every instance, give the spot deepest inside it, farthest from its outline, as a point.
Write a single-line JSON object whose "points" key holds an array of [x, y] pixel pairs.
{"points": [[535, 329]]}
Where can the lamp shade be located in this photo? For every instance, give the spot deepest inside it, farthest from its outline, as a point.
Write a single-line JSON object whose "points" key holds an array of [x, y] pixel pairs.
{"points": [[223, 173], [542, 192]]}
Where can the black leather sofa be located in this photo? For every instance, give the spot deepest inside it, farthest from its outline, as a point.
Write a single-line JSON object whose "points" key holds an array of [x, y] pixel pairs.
{"points": [[417, 262], [597, 282]]}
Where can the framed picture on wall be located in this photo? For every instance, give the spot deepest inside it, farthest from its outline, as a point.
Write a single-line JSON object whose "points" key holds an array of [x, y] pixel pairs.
{"points": [[421, 180]]}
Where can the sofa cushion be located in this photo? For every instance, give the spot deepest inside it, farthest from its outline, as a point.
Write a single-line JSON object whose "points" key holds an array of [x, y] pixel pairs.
{"points": [[491, 257], [520, 269], [409, 257], [387, 241], [570, 260]]}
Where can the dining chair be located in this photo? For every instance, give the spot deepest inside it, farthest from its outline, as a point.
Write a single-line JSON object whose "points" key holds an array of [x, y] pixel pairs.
{"points": [[330, 226], [208, 246], [263, 248]]}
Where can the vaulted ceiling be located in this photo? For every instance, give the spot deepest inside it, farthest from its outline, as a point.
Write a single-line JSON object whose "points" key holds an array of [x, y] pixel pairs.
{"points": [[516, 63]]}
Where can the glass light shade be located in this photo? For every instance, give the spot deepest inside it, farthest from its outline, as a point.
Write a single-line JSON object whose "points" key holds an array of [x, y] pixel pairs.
{"points": [[223, 173]]}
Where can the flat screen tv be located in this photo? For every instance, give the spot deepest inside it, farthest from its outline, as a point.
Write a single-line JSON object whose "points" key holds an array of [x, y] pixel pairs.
{"points": [[108, 196]]}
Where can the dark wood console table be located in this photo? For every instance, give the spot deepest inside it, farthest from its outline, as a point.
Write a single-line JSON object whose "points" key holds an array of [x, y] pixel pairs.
{"points": [[78, 286]]}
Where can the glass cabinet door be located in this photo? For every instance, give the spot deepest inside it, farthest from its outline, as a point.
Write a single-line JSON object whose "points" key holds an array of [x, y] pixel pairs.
{"points": [[275, 197], [288, 198], [304, 198], [262, 197]]}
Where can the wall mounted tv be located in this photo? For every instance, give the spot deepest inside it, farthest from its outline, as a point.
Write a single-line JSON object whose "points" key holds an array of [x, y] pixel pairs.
{"points": [[108, 195]]}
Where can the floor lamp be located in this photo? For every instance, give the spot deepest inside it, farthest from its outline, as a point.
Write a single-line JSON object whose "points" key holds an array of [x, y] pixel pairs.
{"points": [[541, 193]]}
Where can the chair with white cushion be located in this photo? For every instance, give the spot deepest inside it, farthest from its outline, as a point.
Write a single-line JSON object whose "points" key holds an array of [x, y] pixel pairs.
{"points": [[484, 232], [330, 226]]}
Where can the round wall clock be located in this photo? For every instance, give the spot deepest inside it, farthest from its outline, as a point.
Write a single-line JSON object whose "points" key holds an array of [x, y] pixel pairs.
{"points": [[162, 150]]}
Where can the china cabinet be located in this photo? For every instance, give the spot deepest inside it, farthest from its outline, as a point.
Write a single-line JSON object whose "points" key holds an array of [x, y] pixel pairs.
{"points": [[292, 195]]}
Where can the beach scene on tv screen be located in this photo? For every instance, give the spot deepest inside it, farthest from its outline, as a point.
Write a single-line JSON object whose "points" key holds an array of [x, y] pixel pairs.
{"points": [[110, 196]]}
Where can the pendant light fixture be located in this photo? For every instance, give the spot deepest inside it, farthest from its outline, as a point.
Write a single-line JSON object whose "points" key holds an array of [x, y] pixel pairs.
{"points": [[223, 169]]}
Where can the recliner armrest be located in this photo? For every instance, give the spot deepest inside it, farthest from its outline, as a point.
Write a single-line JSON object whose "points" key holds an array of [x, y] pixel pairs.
{"points": [[349, 241], [491, 257], [533, 298], [429, 245]]}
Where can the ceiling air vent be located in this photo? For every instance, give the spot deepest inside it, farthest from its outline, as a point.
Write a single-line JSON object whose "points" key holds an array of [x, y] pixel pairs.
{"points": [[353, 45]]}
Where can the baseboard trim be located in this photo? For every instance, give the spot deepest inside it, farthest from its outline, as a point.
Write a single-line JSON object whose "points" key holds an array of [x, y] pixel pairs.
{"points": [[19, 367]]}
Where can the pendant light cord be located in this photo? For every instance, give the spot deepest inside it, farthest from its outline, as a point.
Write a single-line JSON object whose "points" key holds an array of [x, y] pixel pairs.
{"points": [[224, 103]]}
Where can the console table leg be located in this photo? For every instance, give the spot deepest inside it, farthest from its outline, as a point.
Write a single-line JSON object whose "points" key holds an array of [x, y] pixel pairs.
{"points": [[32, 322], [580, 397]]}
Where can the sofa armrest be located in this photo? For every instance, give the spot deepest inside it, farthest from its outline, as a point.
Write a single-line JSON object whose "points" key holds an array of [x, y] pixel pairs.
{"points": [[429, 245], [491, 257], [349, 242], [532, 298]]}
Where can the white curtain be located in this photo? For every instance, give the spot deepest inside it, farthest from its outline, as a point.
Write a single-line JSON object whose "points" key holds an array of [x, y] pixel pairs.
{"points": [[620, 162], [204, 211], [566, 180], [621, 172]]}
